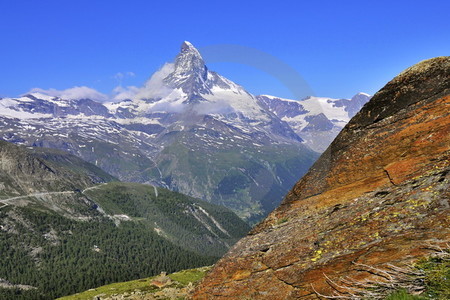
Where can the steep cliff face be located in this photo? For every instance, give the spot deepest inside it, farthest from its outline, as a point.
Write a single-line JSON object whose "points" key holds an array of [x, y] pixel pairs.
{"points": [[379, 194]]}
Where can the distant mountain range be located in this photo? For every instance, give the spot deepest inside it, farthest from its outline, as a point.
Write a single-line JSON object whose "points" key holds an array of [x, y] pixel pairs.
{"points": [[316, 120], [190, 130]]}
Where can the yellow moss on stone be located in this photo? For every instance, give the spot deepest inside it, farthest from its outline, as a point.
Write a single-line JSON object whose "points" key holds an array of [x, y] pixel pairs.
{"points": [[317, 255]]}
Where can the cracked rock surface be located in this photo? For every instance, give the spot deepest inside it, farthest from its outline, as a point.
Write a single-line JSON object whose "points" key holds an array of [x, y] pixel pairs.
{"points": [[379, 194]]}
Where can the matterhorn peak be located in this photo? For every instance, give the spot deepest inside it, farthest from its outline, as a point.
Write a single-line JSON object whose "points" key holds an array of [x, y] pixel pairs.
{"points": [[189, 60], [190, 72], [187, 46]]}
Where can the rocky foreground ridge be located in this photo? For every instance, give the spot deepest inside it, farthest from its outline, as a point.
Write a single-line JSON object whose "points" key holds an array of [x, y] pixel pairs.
{"points": [[379, 195]]}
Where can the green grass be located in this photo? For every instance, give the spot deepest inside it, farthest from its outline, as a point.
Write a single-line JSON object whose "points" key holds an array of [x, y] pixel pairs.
{"points": [[65, 160], [182, 279], [437, 276], [186, 276], [436, 270], [403, 295]]}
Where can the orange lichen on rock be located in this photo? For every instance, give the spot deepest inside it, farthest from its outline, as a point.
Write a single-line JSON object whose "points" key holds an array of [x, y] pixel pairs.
{"points": [[378, 195]]}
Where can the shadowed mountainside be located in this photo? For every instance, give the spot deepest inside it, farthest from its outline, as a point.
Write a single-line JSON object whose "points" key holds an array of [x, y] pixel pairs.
{"points": [[30, 170]]}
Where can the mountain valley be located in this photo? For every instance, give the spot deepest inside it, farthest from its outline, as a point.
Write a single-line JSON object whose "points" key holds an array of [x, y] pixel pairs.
{"points": [[67, 226]]}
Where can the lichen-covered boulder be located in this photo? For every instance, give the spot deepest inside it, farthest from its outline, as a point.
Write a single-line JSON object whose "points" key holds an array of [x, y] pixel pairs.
{"points": [[379, 195]]}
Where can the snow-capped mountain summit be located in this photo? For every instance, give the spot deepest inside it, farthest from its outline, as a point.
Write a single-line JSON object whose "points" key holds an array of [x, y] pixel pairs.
{"points": [[187, 128], [190, 73], [188, 89]]}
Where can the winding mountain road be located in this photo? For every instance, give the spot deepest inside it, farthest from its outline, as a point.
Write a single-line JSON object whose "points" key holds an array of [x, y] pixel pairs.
{"points": [[5, 201], [93, 187]]}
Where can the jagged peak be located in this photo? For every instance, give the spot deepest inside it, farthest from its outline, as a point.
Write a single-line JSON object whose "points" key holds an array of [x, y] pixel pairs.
{"points": [[187, 46], [189, 59], [190, 72]]}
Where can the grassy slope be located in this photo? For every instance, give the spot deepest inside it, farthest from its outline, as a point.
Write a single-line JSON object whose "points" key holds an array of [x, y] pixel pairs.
{"points": [[181, 280], [62, 159]]}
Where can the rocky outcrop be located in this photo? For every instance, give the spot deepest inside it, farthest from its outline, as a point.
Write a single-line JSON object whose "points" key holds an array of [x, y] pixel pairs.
{"points": [[379, 194]]}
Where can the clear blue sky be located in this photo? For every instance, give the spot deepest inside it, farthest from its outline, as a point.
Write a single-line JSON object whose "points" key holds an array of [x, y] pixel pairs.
{"points": [[338, 47]]}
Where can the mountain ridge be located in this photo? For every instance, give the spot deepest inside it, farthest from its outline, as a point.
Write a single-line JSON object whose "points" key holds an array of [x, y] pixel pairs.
{"points": [[21, 166]]}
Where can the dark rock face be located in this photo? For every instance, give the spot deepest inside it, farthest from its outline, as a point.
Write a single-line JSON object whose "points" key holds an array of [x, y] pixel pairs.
{"points": [[379, 194], [318, 123], [421, 82]]}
